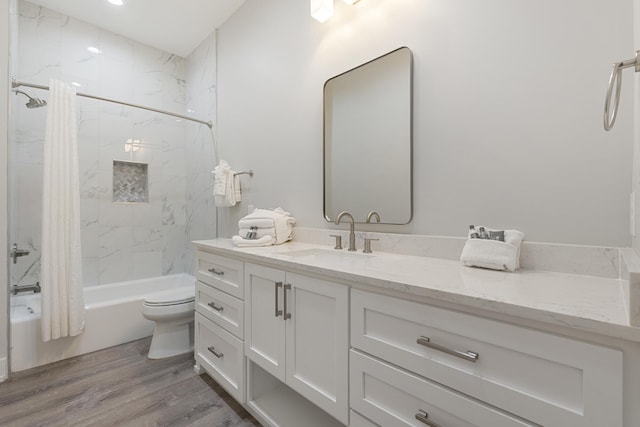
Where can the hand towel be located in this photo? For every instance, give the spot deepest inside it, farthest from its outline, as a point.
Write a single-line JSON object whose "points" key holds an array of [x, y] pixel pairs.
{"points": [[220, 178], [237, 191], [494, 254], [226, 185], [61, 259]]}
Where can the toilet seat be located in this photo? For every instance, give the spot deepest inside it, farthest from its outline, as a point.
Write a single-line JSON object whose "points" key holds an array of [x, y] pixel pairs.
{"points": [[182, 295]]}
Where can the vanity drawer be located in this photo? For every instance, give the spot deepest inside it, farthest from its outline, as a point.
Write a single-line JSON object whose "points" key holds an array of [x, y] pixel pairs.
{"points": [[222, 273], [392, 397], [357, 420], [541, 377], [221, 355], [221, 308]]}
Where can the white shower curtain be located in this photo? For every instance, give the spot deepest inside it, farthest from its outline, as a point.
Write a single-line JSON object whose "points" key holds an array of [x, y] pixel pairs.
{"points": [[61, 268]]}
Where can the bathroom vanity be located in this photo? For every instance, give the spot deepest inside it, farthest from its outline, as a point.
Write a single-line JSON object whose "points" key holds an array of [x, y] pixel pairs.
{"points": [[302, 334]]}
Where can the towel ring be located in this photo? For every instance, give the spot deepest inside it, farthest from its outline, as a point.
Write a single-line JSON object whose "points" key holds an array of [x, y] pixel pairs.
{"points": [[616, 80]]}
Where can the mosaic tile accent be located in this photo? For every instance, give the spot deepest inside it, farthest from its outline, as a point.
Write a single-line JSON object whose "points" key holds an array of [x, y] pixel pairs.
{"points": [[130, 182]]}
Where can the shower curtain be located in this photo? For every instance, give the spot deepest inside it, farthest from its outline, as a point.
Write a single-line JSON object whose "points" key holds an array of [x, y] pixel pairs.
{"points": [[61, 268]]}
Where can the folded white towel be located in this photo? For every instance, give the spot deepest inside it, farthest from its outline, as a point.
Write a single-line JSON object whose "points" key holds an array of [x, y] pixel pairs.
{"points": [[281, 222], [256, 222], [494, 254], [260, 232], [263, 241]]}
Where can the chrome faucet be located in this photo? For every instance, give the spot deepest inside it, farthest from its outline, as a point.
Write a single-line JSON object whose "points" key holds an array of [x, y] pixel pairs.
{"points": [[371, 215], [352, 231], [35, 288]]}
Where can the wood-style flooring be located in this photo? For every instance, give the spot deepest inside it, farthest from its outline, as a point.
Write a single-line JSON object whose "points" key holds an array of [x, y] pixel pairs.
{"points": [[118, 386]]}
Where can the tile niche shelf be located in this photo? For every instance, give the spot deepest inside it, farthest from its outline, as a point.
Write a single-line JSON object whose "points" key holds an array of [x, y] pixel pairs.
{"points": [[130, 182]]}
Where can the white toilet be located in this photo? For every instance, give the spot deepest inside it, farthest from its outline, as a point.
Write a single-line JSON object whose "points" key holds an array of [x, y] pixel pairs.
{"points": [[173, 311]]}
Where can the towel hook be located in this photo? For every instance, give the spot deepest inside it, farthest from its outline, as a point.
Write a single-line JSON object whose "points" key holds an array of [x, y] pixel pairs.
{"points": [[616, 79]]}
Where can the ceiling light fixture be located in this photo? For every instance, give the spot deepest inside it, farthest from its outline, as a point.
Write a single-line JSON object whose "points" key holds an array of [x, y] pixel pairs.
{"points": [[116, 2], [321, 10], [94, 49]]}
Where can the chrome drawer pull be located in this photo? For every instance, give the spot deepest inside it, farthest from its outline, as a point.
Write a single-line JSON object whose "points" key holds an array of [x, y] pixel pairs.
{"points": [[278, 311], [212, 349], [214, 271], [286, 288], [466, 355], [215, 307], [423, 417]]}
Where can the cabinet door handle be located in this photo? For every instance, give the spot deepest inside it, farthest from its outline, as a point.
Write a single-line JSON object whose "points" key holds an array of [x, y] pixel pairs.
{"points": [[212, 349], [215, 307], [469, 356], [278, 311], [423, 417], [214, 271], [287, 315]]}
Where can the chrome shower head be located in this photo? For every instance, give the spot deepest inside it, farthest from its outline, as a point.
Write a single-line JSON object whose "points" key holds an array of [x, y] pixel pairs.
{"points": [[33, 102]]}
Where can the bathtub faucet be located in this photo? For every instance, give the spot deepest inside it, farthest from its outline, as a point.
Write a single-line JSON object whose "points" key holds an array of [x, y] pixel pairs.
{"points": [[35, 288]]}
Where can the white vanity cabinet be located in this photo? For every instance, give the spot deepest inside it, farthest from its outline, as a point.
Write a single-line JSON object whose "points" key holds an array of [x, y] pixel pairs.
{"points": [[219, 321], [442, 367], [296, 330], [342, 340]]}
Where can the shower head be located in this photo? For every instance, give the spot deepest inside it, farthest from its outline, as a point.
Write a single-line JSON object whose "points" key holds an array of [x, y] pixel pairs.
{"points": [[33, 102]]}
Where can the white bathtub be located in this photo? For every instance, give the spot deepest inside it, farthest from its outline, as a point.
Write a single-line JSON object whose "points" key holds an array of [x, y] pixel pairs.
{"points": [[113, 316]]}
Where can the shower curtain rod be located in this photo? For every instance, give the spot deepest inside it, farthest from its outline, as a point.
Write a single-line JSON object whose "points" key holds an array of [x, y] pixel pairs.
{"points": [[15, 83]]}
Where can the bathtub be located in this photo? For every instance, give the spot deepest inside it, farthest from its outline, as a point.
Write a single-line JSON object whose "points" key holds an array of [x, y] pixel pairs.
{"points": [[113, 316]]}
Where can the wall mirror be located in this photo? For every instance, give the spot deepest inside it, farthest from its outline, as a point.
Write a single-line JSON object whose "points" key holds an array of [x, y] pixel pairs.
{"points": [[367, 140]]}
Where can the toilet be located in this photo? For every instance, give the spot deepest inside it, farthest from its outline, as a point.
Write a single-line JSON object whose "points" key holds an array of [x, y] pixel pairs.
{"points": [[173, 312]]}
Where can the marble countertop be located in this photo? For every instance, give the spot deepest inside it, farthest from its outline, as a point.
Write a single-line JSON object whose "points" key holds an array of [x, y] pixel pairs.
{"points": [[586, 303]]}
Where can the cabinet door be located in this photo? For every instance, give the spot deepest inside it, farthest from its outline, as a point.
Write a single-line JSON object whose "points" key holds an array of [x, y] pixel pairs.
{"points": [[264, 326], [317, 342]]}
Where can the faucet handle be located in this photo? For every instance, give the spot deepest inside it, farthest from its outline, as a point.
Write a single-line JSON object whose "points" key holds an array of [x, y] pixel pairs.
{"points": [[338, 241], [371, 215], [367, 245]]}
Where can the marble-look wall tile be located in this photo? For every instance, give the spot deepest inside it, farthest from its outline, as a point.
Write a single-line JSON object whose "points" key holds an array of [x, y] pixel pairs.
{"points": [[200, 211], [120, 241]]}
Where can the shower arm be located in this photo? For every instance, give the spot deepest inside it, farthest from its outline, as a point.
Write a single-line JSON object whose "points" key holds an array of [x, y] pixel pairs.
{"points": [[15, 83]]}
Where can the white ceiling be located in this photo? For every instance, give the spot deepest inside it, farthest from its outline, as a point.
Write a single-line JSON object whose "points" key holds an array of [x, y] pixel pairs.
{"points": [[176, 26]]}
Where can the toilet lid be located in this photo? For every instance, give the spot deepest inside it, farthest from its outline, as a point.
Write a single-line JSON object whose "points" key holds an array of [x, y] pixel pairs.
{"points": [[181, 295]]}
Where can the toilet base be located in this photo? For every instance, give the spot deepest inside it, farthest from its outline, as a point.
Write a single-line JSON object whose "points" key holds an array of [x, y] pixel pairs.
{"points": [[171, 339]]}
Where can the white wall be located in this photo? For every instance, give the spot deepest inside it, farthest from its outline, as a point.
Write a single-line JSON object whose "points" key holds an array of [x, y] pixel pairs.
{"points": [[508, 100]]}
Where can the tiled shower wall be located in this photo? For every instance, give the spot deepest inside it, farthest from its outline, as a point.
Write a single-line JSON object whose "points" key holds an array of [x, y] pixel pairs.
{"points": [[121, 241]]}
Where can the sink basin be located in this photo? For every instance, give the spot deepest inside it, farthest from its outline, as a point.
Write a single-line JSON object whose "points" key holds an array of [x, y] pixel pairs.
{"points": [[323, 253]]}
